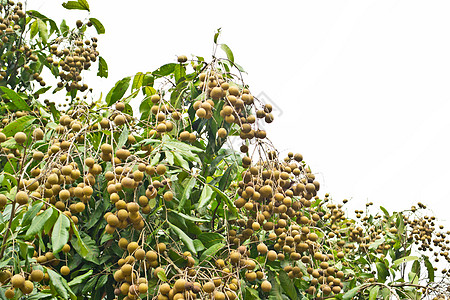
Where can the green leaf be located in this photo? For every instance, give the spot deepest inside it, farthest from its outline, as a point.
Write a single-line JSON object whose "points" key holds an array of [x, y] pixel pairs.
{"points": [[205, 197], [399, 261], [382, 271], [59, 285], [31, 213], [162, 276], [211, 251], [64, 28], [228, 51], [137, 81], [374, 292], [33, 29], [18, 125], [118, 91], [102, 67], [180, 72], [89, 286], [101, 281], [86, 247], [288, 285], [430, 269], [210, 238], [123, 137], [416, 267], [230, 204], [165, 69], [352, 293], [60, 233], [386, 213], [43, 31], [84, 4], [186, 192], [80, 278], [98, 25], [38, 222], [18, 101], [216, 35], [185, 238], [190, 218], [73, 5], [377, 243]]}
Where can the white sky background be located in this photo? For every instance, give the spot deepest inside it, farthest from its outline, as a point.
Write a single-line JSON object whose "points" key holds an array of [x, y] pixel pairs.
{"points": [[363, 86]]}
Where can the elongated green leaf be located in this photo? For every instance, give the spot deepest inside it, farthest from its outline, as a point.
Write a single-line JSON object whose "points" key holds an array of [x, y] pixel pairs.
{"points": [[374, 292], [64, 28], [80, 278], [31, 213], [185, 238], [123, 137], [43, 31], [60, 233], [386, 213], [38, 222], [180, 72], [382, 271], [190, 218], [228, 52], [84, 4], [210, 238], [186, 192], [102, 67], [85, 246], [211, 251], [89, 286], [59, 284], [216, 35], [33, 29], [73, 5], [137, 81], [165, 70], [118, 91], [180, 161], [288, 285], [430, 269], [352, 293], [162, 275], [98, 25], [18, 101], [205, 197], [18, 125], [399, 261], [230, 204]]}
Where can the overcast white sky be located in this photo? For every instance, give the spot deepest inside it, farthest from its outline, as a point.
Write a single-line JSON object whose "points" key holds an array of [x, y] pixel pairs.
{"points": [[363, 86]]}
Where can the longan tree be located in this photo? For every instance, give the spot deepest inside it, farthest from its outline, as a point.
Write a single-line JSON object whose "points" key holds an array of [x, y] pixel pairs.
{"points": [[185, 199]]}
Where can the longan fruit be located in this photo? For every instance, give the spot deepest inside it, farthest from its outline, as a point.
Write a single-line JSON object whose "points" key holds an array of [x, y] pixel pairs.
{"points": [[120, 106], [38, 134], [27, 287], [201, 113], [123, 243], [139, 254], [66, 248], [209, 287], [222, 133], [168, 196], [266, 286], [9, 293], [21, 198], [219, 295], [151, 255], [182, 58], [164, 288], [17, 281], [119, 120], [160, 169], [179, 285], [131, 247], [161, 247], [20, 137]]}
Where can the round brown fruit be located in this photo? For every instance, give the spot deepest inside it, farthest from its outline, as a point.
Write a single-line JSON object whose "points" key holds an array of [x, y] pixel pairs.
{"points": [[266, 286], [20, 137]]}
